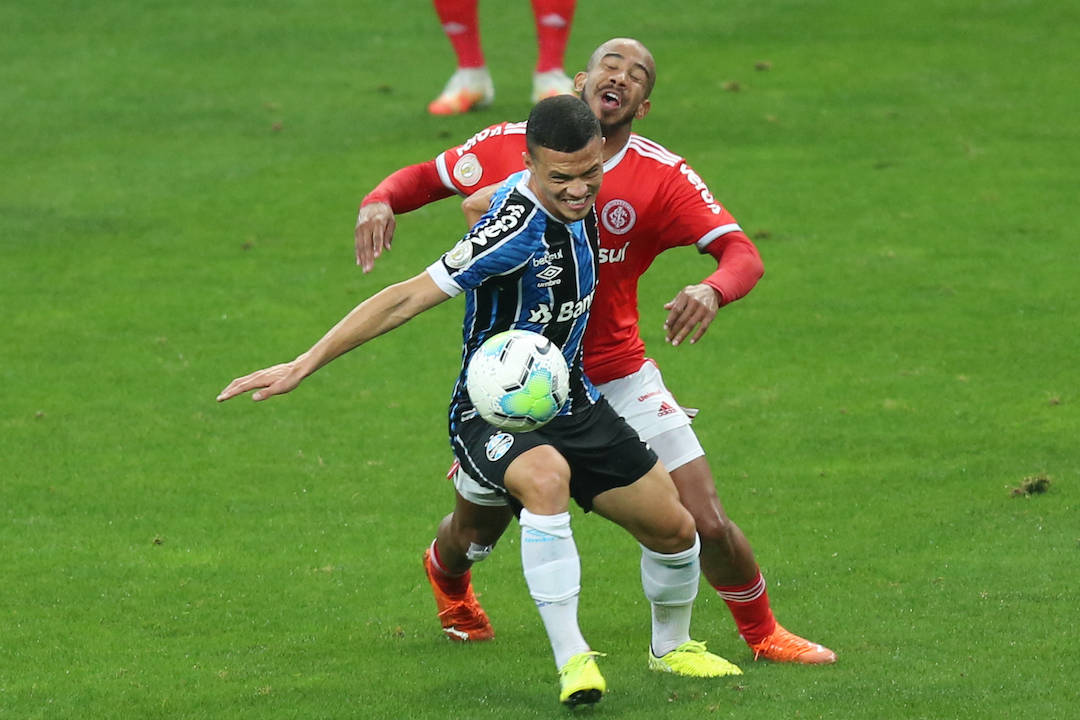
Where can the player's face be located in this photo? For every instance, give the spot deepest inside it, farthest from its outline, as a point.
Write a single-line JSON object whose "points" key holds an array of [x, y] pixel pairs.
{"points": [[617, 85], [566, 183]]}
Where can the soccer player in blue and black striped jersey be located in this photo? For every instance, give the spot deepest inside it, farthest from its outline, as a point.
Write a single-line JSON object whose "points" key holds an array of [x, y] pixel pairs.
{"points": [[531, 263]]}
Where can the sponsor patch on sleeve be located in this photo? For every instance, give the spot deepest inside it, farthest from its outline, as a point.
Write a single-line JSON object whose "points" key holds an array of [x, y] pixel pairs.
{"points": [[460, 255], [467, 170]]}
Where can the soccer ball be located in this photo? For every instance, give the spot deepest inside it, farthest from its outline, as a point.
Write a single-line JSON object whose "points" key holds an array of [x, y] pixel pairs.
{"points": [[518, 380]]}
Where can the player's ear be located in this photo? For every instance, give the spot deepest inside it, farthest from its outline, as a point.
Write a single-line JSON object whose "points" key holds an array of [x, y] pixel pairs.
{"points": [[579, 82], [643, 109], [526, 159]]}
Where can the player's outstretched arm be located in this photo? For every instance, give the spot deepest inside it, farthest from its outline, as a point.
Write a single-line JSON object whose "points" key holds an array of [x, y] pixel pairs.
{"points": [[381, 313]]}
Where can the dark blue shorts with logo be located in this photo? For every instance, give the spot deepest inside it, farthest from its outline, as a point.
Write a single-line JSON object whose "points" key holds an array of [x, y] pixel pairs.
{"points": [[602, 450]]}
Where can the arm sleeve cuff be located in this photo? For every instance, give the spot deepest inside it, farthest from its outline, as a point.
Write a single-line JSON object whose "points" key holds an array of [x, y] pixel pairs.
{"points": [[739, 266], [438, 273]]}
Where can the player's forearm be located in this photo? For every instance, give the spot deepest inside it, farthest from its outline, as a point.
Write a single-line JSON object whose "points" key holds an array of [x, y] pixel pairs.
{"points": [[409, 188], [382, 312], [739, 267]]}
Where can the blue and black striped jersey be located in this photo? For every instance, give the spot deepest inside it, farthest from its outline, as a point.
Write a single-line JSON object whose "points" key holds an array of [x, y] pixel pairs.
{"points": [[522, 268]]}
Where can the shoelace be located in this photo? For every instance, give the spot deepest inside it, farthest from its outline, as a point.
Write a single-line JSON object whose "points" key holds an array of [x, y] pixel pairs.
{"points": [[452, 609], [579, 661], [694, 646]]}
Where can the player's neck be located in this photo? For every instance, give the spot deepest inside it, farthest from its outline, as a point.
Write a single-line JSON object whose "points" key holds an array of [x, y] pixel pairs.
{"points": [[615, 139]]}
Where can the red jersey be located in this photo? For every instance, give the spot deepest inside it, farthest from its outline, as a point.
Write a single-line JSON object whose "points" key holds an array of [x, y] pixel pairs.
{"points": [[650, 200]]}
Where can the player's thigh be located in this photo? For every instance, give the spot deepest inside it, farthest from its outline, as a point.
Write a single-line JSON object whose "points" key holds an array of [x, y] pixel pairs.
{"points": [[649, 509]]}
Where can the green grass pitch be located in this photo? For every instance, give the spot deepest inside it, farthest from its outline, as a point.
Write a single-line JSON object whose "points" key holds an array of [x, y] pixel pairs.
{"points": [[178, 190]]}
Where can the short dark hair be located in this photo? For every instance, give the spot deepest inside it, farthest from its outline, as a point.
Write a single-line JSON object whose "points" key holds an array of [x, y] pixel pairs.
{"points": [[563, 123]]}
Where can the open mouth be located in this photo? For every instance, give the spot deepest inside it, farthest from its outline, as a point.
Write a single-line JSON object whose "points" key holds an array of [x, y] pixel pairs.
{"points": [[610, 100]]}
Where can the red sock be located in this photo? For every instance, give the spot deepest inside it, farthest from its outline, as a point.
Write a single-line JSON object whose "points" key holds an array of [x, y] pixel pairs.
{"points": [[749, 605], [553, 18], [450, 584], [458, 18]]}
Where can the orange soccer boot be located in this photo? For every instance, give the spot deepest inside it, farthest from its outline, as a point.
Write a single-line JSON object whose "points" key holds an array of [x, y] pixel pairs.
{"points": [[785, 646], [462, 618]]}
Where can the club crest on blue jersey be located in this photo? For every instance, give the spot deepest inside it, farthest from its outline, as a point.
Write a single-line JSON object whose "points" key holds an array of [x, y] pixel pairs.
{"points": [[497, 445]]}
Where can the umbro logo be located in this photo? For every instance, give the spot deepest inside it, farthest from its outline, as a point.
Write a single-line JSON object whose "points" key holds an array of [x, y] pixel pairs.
{"points": [[548, 276]]}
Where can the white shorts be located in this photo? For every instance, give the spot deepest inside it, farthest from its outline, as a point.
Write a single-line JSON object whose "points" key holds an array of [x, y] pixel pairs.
{"points": [[649, 408]]}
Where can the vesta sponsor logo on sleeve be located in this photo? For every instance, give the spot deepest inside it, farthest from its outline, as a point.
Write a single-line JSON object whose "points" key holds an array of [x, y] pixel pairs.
{"points": [[698, 184], [509, 217], [487, 133]]}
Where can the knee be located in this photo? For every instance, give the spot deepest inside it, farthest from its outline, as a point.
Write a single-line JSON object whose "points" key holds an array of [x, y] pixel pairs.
{"points": [[697, 493], [676, 535], [540, 480], [713, 526], [686, 533]]}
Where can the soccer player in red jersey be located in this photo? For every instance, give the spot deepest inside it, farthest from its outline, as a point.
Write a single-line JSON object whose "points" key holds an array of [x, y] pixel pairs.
{"points": [[650, 201], [470, 86]]}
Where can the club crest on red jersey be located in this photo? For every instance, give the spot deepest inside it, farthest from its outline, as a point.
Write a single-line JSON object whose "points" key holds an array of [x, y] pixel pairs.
{"points": [[618, 217]]}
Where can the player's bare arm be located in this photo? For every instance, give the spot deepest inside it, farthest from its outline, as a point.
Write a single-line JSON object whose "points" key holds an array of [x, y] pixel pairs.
{"points": [[379, 314], [374, 233], [691, 311], [475, 205]]}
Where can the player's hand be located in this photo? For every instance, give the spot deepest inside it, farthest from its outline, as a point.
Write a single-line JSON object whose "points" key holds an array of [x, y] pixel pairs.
{"points": [[694, 307], [374, 233], [276, 380], [477, 204]]}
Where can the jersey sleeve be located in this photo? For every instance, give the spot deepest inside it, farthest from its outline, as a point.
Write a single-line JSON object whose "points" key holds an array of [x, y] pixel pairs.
{"points": [[409, 188], [499, 244], [738, 266], [694, 216], [488, 157]]}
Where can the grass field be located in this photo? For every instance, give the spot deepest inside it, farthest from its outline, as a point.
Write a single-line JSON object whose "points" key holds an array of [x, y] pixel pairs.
{"points": [[177, 199]]}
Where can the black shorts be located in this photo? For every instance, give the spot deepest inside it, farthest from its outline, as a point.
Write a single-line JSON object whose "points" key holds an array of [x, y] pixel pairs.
{"points": [[602, 450]]}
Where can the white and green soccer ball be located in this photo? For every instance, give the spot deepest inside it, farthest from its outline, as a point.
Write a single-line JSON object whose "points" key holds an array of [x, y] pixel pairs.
{"points": [[518, 380]]}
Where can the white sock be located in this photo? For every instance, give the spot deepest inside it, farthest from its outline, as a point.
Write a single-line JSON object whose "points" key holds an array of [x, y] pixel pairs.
{"points": [[552, 569], [670, 583]]}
